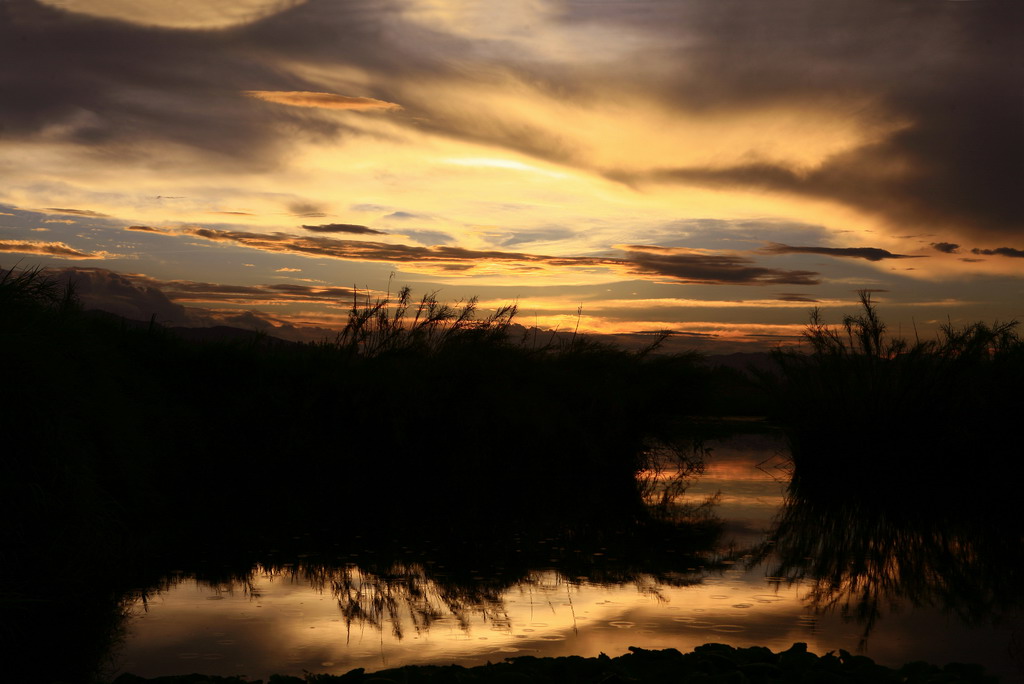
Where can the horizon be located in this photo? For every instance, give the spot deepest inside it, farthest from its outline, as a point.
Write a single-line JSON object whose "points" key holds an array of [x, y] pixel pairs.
{"points": [[710, 169]]}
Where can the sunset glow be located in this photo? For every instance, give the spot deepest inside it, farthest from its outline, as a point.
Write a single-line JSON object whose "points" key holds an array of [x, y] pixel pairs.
{"points": [[706, 168]]}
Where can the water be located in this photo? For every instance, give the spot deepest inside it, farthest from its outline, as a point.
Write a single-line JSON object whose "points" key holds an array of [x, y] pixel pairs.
{"points": [[362, 610]]}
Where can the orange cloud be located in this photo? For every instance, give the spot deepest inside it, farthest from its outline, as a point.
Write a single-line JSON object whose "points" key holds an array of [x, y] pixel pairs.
{"points": [[146, 229], [306, 98], [53, 249]]}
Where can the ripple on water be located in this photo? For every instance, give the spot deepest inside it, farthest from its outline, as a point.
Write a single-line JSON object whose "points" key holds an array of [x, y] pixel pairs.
{"points": [[623, 624], [743, 605], [553, 637], [728, 628]]}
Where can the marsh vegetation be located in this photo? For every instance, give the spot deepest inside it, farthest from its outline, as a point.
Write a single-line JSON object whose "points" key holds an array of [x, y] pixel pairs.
{"points": [[865, 408], [130, 451]]}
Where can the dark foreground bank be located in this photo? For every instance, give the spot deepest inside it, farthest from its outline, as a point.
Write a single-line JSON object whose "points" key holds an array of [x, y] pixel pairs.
{"points": [[707, 664]]}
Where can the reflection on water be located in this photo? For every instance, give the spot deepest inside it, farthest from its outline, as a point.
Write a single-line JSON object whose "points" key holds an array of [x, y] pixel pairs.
{"points": [[924, 587], [863, 559]]}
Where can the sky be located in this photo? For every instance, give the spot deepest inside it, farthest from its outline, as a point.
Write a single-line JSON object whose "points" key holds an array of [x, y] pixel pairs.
{"points": [[715, 168]]}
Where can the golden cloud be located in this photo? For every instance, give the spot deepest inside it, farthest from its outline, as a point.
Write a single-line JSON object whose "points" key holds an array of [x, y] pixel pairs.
{"points": [[59, 250], [305, 98]]}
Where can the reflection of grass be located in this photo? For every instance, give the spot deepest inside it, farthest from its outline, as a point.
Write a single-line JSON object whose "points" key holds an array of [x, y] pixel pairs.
{"points": [[861, 557], [383, 581], [864, 404]]}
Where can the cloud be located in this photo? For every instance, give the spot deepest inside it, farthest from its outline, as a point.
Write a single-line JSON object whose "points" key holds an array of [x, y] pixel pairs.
{"points": [[288, 270], [344, 228], [544, 235], [648, 261], [246, 295], [139, 297], [946, 247], [58, 250], [133, 298], [182, 14], [938, 136], [788, 297], [1000, 251], [403, 215], [428, 237], [124, 91], [306, 209], [78, 212], [146, 229], [957, 157], [869, 253], [305, 98], [693, 267]]}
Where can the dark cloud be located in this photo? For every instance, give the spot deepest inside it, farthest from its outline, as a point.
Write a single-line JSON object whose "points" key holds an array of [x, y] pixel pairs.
{"points": [[869, 253], [141, 298], [59, 250], [133, 298], [946, 247], [643, 260], [950, 72], [344, 228], [789, 297], [108, 86], [402, 215], [192, 291], [306, 209], [1000, 251], [77, 212], [711, 269]]}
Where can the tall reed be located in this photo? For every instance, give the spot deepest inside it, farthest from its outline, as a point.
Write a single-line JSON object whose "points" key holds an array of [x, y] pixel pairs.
{"points": [[866, 405]]}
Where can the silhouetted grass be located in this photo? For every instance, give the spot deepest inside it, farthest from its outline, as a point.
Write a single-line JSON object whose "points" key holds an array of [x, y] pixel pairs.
{"points": [[864, 406], [127, 446]]}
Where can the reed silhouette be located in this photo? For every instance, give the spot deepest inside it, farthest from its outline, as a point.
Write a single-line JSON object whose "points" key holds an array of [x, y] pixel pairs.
{"points": [[865, 406], [129, 448]]}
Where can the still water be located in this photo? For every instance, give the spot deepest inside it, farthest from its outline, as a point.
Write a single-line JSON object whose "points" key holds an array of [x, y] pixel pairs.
{"points": [[293, 616]]}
